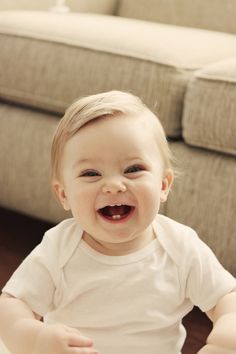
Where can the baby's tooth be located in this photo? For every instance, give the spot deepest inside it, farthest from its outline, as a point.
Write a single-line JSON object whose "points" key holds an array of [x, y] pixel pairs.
{"points": [[116, 217]]}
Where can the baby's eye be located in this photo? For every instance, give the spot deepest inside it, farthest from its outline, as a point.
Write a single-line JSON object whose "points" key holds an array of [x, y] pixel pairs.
{"points": [[134, 168], [89, 173]]}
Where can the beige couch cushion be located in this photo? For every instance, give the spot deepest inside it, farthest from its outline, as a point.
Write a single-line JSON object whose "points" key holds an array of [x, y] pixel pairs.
{"points": [[25, 137], [218, 15], [210, 108], [95, 6], [60, 57], [200, 198], [25, 4]]}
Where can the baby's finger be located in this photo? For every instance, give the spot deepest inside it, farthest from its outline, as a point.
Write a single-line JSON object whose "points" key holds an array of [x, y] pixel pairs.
{"points": [[212, 349], [83, 351], [72, 329], [78, 340]]}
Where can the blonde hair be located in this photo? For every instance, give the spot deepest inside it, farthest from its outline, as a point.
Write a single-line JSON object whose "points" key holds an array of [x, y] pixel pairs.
{"points": [[103, 105]]}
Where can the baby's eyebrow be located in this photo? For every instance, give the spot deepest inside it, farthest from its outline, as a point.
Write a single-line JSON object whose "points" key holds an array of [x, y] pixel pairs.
{"points": [[92, 161], [83, 161], [133, 158]]}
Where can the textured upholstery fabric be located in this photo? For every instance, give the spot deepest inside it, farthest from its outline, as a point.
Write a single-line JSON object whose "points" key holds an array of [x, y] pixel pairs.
{"points": [[210, 106], [25, 149], [94, 6], [215, 15], [53, 55], [204, 197], [101, 6], [25, 4]]}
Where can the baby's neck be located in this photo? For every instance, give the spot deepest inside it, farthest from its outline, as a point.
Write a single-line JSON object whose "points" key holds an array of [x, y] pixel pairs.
{"points": [[121, 248]]}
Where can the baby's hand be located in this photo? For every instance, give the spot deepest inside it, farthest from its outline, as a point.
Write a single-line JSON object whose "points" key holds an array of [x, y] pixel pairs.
{"points": [[213, 349], [60, 339]]}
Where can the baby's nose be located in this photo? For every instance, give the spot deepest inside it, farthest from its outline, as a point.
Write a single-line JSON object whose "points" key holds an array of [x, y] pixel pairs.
{"points": [[114, 186]]}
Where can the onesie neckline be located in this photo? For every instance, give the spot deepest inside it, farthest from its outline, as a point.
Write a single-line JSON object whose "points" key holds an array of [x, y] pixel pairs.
{"points": [[120, 260]]}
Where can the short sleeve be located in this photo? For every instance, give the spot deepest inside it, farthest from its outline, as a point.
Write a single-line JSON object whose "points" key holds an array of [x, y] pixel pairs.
{"points": [[34, 280], [38, 277], [207, 280], [202, 278]]}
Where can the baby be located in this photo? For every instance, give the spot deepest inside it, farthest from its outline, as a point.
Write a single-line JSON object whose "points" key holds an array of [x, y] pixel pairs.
{"points": [[117, 277]]}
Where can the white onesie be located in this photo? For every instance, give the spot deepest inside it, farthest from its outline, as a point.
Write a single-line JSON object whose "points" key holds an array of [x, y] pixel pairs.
{"points": [[130, 304]]}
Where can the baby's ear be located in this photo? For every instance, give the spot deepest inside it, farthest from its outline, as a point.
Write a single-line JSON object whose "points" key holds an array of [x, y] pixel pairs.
{"points": [[61, 195], [166, 184]]}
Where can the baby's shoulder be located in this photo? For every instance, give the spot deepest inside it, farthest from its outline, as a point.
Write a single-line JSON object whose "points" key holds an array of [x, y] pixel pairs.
{"points": [[178, 240], [62, 239], [174, 229]]}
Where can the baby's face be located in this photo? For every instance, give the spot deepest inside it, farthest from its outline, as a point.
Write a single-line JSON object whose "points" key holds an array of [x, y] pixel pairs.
{"points": [[113, 182]]}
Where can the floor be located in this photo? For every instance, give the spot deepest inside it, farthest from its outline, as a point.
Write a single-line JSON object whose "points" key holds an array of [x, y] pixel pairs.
{"points": [[20, 234]]}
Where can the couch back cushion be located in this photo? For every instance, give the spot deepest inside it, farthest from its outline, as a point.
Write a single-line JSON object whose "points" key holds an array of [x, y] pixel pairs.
{"points": [[217, 15], [61, 57], [94, 6], [210, 107], [25, 4]]}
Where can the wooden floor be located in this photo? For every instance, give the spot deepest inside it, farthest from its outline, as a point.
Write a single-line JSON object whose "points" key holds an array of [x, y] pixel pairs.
{"points": [[20, 234]]}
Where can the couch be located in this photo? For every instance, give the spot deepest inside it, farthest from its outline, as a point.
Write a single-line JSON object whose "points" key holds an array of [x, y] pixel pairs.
{"points": [[178, 56]]}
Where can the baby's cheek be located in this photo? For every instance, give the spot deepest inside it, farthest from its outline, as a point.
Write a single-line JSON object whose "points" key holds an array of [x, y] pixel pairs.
{"points": [[151, 200]]}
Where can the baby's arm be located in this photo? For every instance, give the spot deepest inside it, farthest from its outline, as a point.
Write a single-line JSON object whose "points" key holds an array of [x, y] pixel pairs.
{"points": [[23, 333], [222, 339]]}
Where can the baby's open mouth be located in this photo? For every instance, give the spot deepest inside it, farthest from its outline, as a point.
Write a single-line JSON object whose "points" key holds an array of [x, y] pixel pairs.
{"points": [[116, 212]]}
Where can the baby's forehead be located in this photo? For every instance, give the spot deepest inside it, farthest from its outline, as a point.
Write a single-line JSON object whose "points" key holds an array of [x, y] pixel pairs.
{"points": [[144, 125], [145, 118]]}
